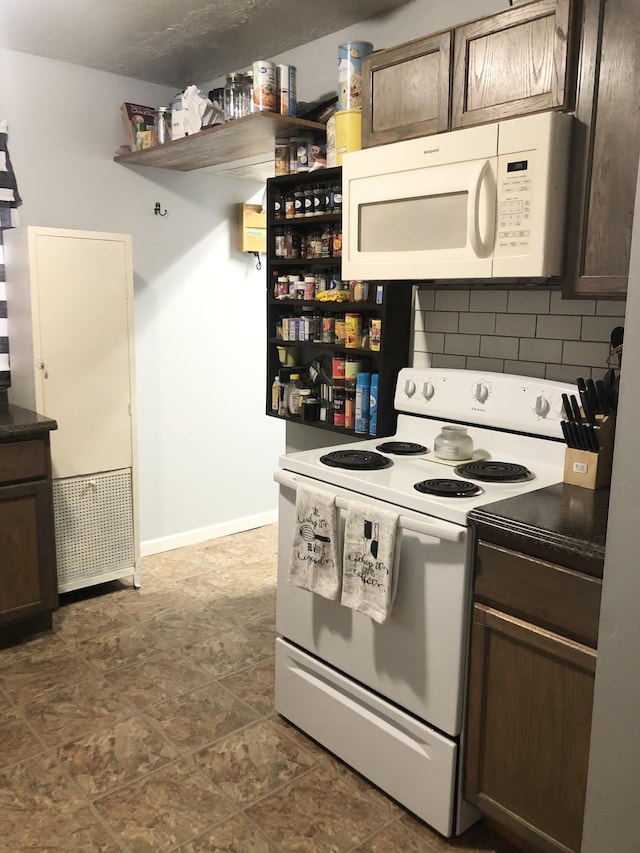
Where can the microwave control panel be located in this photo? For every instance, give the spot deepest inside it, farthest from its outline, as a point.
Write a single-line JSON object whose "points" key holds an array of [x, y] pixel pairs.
{"points": [[516, 179]]}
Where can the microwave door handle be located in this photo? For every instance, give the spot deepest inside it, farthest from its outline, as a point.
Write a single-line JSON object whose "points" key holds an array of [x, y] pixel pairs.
{"points": [[482, 176]]}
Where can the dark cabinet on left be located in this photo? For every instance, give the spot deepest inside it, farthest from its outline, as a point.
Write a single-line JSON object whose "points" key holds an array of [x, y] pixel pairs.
{"points": [[28, 578]]}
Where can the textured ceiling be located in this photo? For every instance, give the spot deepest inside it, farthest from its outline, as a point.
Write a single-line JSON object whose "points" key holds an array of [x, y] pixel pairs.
{"points": [[174, 42]]}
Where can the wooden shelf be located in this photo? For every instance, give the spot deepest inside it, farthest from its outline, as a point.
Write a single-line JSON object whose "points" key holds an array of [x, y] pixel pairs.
{"points": [[243, 148]]}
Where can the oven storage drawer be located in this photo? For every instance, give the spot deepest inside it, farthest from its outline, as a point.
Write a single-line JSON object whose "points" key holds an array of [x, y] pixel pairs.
{"points": [[548, 595], [399, 754]]}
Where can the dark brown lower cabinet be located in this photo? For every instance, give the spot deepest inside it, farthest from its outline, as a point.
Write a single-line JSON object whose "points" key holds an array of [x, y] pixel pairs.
{"points": [[28, 580], [530, 698]]}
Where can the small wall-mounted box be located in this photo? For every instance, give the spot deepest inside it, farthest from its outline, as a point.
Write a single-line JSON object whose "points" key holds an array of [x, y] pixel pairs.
{"points": [[252, 228]]}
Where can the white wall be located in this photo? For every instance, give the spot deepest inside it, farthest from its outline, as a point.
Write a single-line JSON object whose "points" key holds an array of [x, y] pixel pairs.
{"points": [[207, 452], [612, 817]]}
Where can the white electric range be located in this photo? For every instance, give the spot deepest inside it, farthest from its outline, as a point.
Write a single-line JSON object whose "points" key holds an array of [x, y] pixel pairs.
{"points": [[389, 699]]}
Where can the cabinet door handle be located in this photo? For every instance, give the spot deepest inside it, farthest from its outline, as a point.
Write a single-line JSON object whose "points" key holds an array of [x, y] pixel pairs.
{"points": [[483, 176]]}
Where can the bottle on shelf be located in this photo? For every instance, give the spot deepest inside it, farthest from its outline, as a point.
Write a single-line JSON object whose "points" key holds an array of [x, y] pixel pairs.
{"points": [[292, 396], [373, 404], [275, 394], [363, 390]]}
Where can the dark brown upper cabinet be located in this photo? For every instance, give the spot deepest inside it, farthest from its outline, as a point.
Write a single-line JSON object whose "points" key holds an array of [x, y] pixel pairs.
{"points": [[406, 90], [518, 61], [605, 151], [515, 62]]}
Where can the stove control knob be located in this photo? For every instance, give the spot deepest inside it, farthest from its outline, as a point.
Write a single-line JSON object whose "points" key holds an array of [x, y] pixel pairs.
{"points": [[541, 406], [428, 390], [481, 393], [409, 387]]}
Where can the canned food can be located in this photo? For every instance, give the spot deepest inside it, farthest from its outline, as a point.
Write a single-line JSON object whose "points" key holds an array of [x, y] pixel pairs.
{"points": [[286, 86], [353, 330], [340, 330], [375, 335], [328, 330], [353, 366], [309, 287], [348, 133], [337, 367], [264, 86], [350, 56]]}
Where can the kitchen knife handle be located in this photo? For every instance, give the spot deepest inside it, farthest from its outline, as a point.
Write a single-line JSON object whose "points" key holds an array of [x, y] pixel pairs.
{"points": [[564, 426], [568, 411], [577, 414], [603, 400]]}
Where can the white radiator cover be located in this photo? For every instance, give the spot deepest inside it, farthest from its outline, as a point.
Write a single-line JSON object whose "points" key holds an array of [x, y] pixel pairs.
{"points": [[95, 538]]}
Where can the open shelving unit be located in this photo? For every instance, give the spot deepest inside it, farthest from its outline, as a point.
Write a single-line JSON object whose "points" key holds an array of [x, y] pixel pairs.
{"points": [[243, 148]]}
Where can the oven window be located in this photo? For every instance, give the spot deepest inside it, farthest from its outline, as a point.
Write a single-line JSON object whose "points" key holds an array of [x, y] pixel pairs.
{"points": [[425, 223]]}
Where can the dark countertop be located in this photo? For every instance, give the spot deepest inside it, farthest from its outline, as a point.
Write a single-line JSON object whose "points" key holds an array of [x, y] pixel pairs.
{"points": [[561, 524], [16, 422]]}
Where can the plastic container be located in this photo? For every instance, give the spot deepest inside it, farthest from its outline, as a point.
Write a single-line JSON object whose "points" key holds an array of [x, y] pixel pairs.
{"points": [[363, 389], [350, 56], [453, 443], [275, 394], [348, 133], [292, 396], [373, 405]]}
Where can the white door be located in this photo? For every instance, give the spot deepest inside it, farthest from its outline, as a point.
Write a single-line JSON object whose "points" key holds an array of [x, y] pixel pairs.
{"points": [[82, 341]]}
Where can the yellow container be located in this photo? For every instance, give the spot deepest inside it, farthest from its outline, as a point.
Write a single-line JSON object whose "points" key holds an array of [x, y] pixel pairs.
{"points": [[353, 330], [348, 132]]}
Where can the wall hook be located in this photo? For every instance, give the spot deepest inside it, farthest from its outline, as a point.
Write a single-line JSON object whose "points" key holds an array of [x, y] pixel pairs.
{"points": [[157, 210], [257, 257]]}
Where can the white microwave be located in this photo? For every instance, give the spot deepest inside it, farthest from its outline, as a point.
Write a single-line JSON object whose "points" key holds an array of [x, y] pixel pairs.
{"points": [[482, 202]]}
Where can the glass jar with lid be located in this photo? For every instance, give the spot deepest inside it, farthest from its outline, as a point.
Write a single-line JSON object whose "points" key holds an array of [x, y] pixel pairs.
{"points": [[162, 125], [453, 443], [234, 96]]}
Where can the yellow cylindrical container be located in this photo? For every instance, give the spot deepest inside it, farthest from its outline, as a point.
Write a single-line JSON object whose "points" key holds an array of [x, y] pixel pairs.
{"points": [[348, 132], [353, 329]]}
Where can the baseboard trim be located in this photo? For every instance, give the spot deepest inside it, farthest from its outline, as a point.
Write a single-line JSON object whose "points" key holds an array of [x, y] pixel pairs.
{"points": [[202, 534]]}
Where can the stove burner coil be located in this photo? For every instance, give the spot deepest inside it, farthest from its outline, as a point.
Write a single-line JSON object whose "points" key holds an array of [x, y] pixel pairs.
{"points": [[402, 448], [444, 488], [356, 460], [493, 471]]}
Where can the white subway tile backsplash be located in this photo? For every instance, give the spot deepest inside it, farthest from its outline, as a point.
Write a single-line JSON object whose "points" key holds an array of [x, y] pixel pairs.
{"points": [[582, 352], [497, 347], [559, 326], [462, 344], [458, 362], [477, 323], [516, 325], [571, 306], [452, 300], [429, 341], [540, 349], [525, 368], [441, 321], [528, 301], [425, 300], [565, 372], [607, 308], [598, 328], [488, 300], [495, 365], [531, 332]]}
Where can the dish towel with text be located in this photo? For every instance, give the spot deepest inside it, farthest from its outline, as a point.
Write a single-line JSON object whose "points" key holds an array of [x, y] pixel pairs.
{"points": [[370, 561], [315, 560]]}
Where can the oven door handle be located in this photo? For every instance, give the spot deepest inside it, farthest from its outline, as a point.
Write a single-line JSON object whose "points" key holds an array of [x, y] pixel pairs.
{"points": [[436, 528]]}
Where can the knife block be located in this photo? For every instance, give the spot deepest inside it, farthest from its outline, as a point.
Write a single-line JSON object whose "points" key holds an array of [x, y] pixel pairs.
{"points": [[592, 470]]}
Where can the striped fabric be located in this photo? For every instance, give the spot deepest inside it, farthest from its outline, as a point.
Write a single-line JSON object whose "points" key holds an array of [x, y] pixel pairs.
{"points": [[9, 201]]}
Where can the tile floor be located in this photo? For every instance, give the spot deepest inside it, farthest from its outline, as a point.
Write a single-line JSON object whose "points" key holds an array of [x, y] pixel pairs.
{"points": [[145, 722]]}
